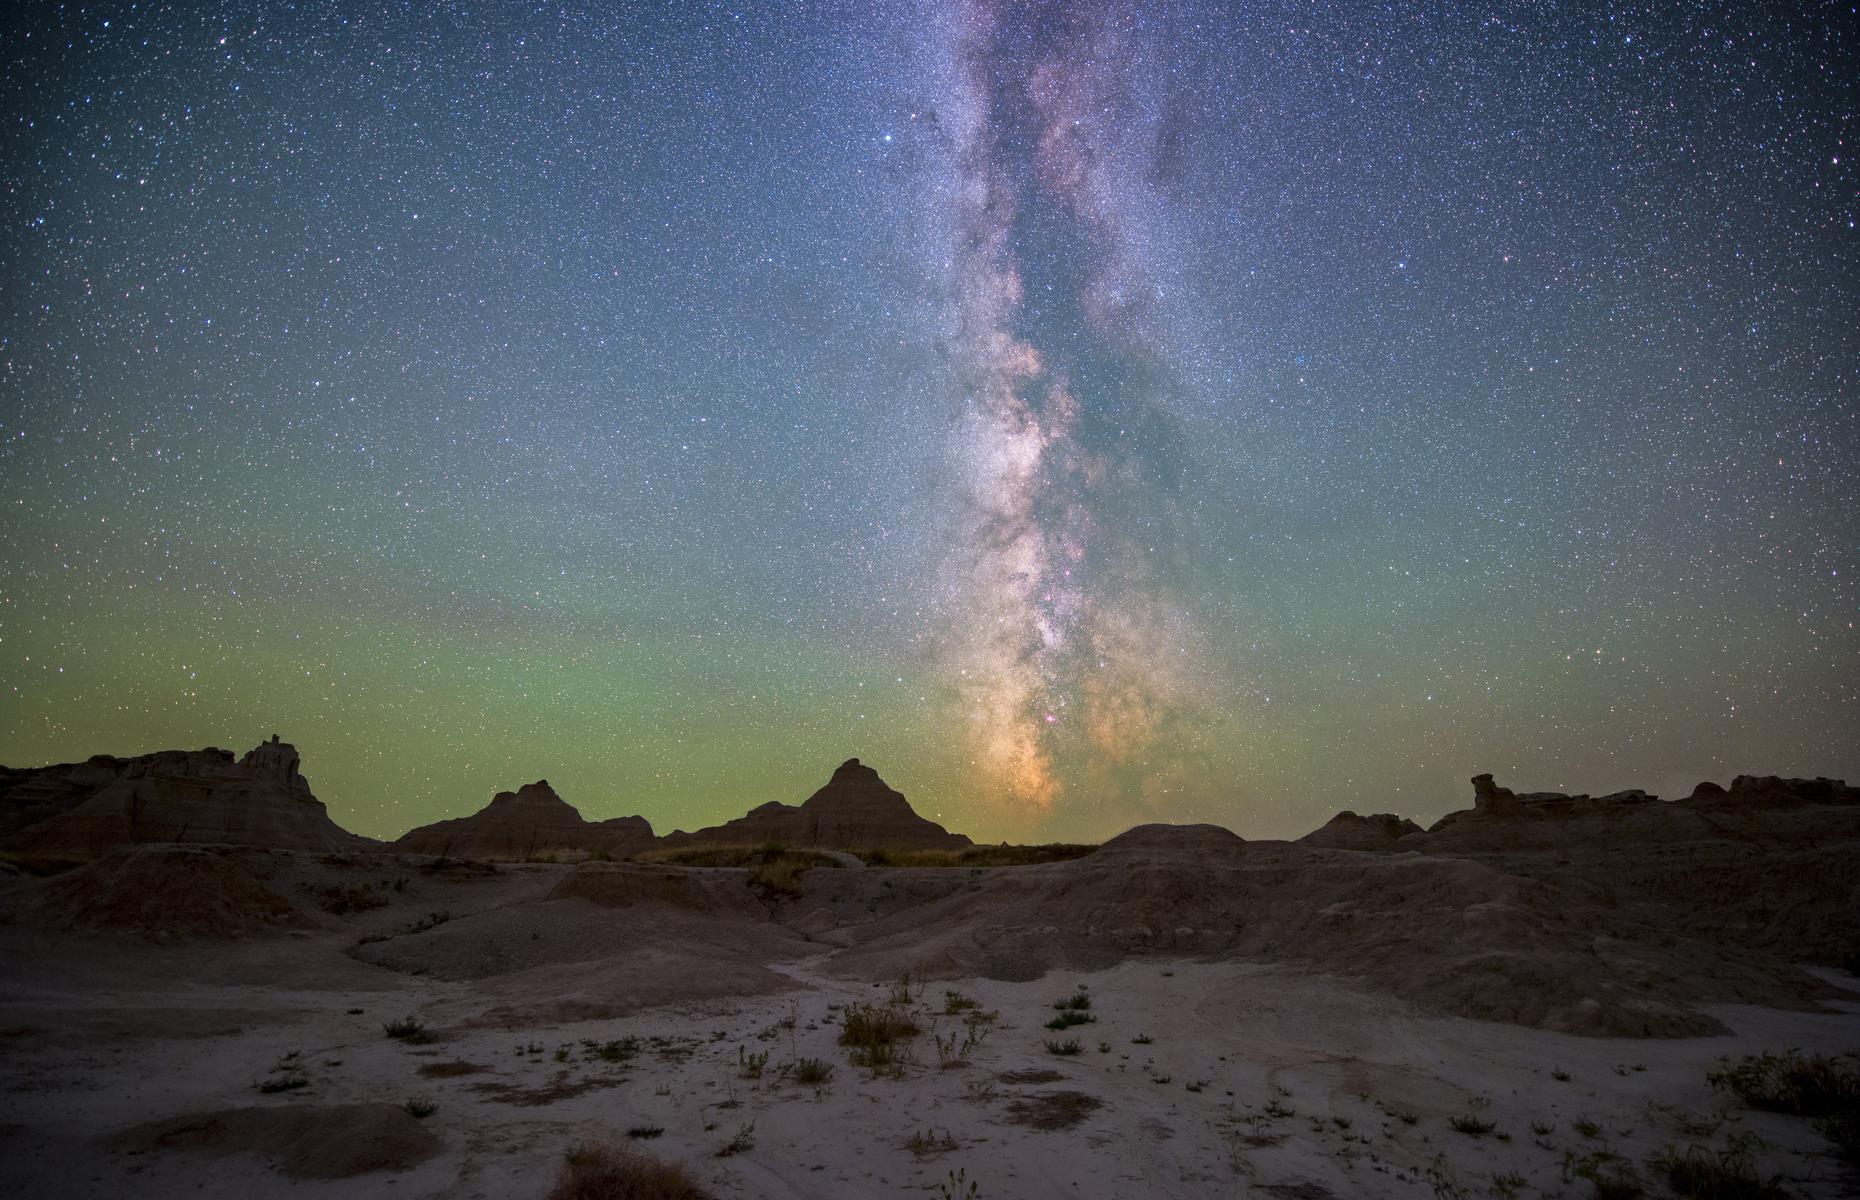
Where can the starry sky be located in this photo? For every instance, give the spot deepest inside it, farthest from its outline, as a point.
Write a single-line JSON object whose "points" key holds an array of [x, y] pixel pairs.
{"points": [[1086, 413]]}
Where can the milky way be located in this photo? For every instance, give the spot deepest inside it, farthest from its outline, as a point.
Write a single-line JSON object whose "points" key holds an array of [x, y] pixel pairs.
{"points": [[1067, 647], [1084, 412]]}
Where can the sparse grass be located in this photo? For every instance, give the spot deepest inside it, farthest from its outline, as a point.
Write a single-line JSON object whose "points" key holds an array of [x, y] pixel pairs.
{"points": [[408, 1029], [420, 1108], [1472, 1126], [955, 1003], [1069, 1017], [1609, 1178], [1728, 1173], [977, 856], [1277, 1110], [1507, 1185], [748, 1065], [1066, 1048], [741, 1142], [618, 1050], [645, 1133], [596, 1172], [873, 1032], [1798, 1084], [1076, 1002], [1818, 1086], [925, 1144], [1142, 1039], [1586, 1127]]}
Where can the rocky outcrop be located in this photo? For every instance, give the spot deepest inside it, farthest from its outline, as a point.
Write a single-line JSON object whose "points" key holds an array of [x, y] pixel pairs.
{"points": [[1772, 790], [1492, 801], [88, 809], [1348, 831], [529, 822], [856, 810]]}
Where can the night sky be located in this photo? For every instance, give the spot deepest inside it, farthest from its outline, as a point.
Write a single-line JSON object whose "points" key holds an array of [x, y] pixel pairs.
{"points": [[1084, 413]]}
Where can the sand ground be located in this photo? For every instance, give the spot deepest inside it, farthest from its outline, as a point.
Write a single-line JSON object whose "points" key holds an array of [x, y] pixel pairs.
{"points": [[104, 1034]]}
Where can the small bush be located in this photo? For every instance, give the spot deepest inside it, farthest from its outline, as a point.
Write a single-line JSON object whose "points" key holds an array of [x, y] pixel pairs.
{"points": [[748, 1065], [1473, 1126], [812, 1072], [645, 1133], [1064, 1049], [1802, 1085], [408, 1029], [873, 1032], [1077, 1002], [420, 1109], [1843, 1130], [864, 1024], [955, 1003], [1067, 1018], [595, 1172]]}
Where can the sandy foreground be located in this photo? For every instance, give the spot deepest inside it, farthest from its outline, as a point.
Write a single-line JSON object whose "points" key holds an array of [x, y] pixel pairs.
{"points": [[104, 1034]]}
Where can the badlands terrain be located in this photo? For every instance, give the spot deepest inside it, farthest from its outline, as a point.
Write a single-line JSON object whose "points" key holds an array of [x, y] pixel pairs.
{"points": [[210, 989]]}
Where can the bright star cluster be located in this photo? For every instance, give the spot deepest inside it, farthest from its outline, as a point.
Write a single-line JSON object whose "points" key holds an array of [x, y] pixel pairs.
{"points": [[1086, 413]]}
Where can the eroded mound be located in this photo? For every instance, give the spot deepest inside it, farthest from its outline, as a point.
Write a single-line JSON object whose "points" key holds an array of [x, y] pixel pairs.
{"points": [[175, 891], [1450, 935], [337, 1141], [1176, 839]]}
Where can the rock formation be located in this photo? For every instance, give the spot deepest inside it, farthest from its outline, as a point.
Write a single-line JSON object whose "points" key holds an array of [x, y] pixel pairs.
{"points": [[526, 823], [1348, 831], [854, 811], [1769, 789], [83, 810]]}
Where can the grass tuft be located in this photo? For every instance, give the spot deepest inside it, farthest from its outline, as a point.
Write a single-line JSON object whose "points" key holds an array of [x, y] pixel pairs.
{"points": [[596, 1172]]}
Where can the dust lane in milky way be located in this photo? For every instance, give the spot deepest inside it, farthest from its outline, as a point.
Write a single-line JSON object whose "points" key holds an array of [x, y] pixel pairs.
{"points": [[1071, 654]]}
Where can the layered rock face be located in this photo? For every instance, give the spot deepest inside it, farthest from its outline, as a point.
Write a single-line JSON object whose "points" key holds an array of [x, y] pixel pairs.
{"points": [[854, 811], [530, 821], [83, 810]]}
